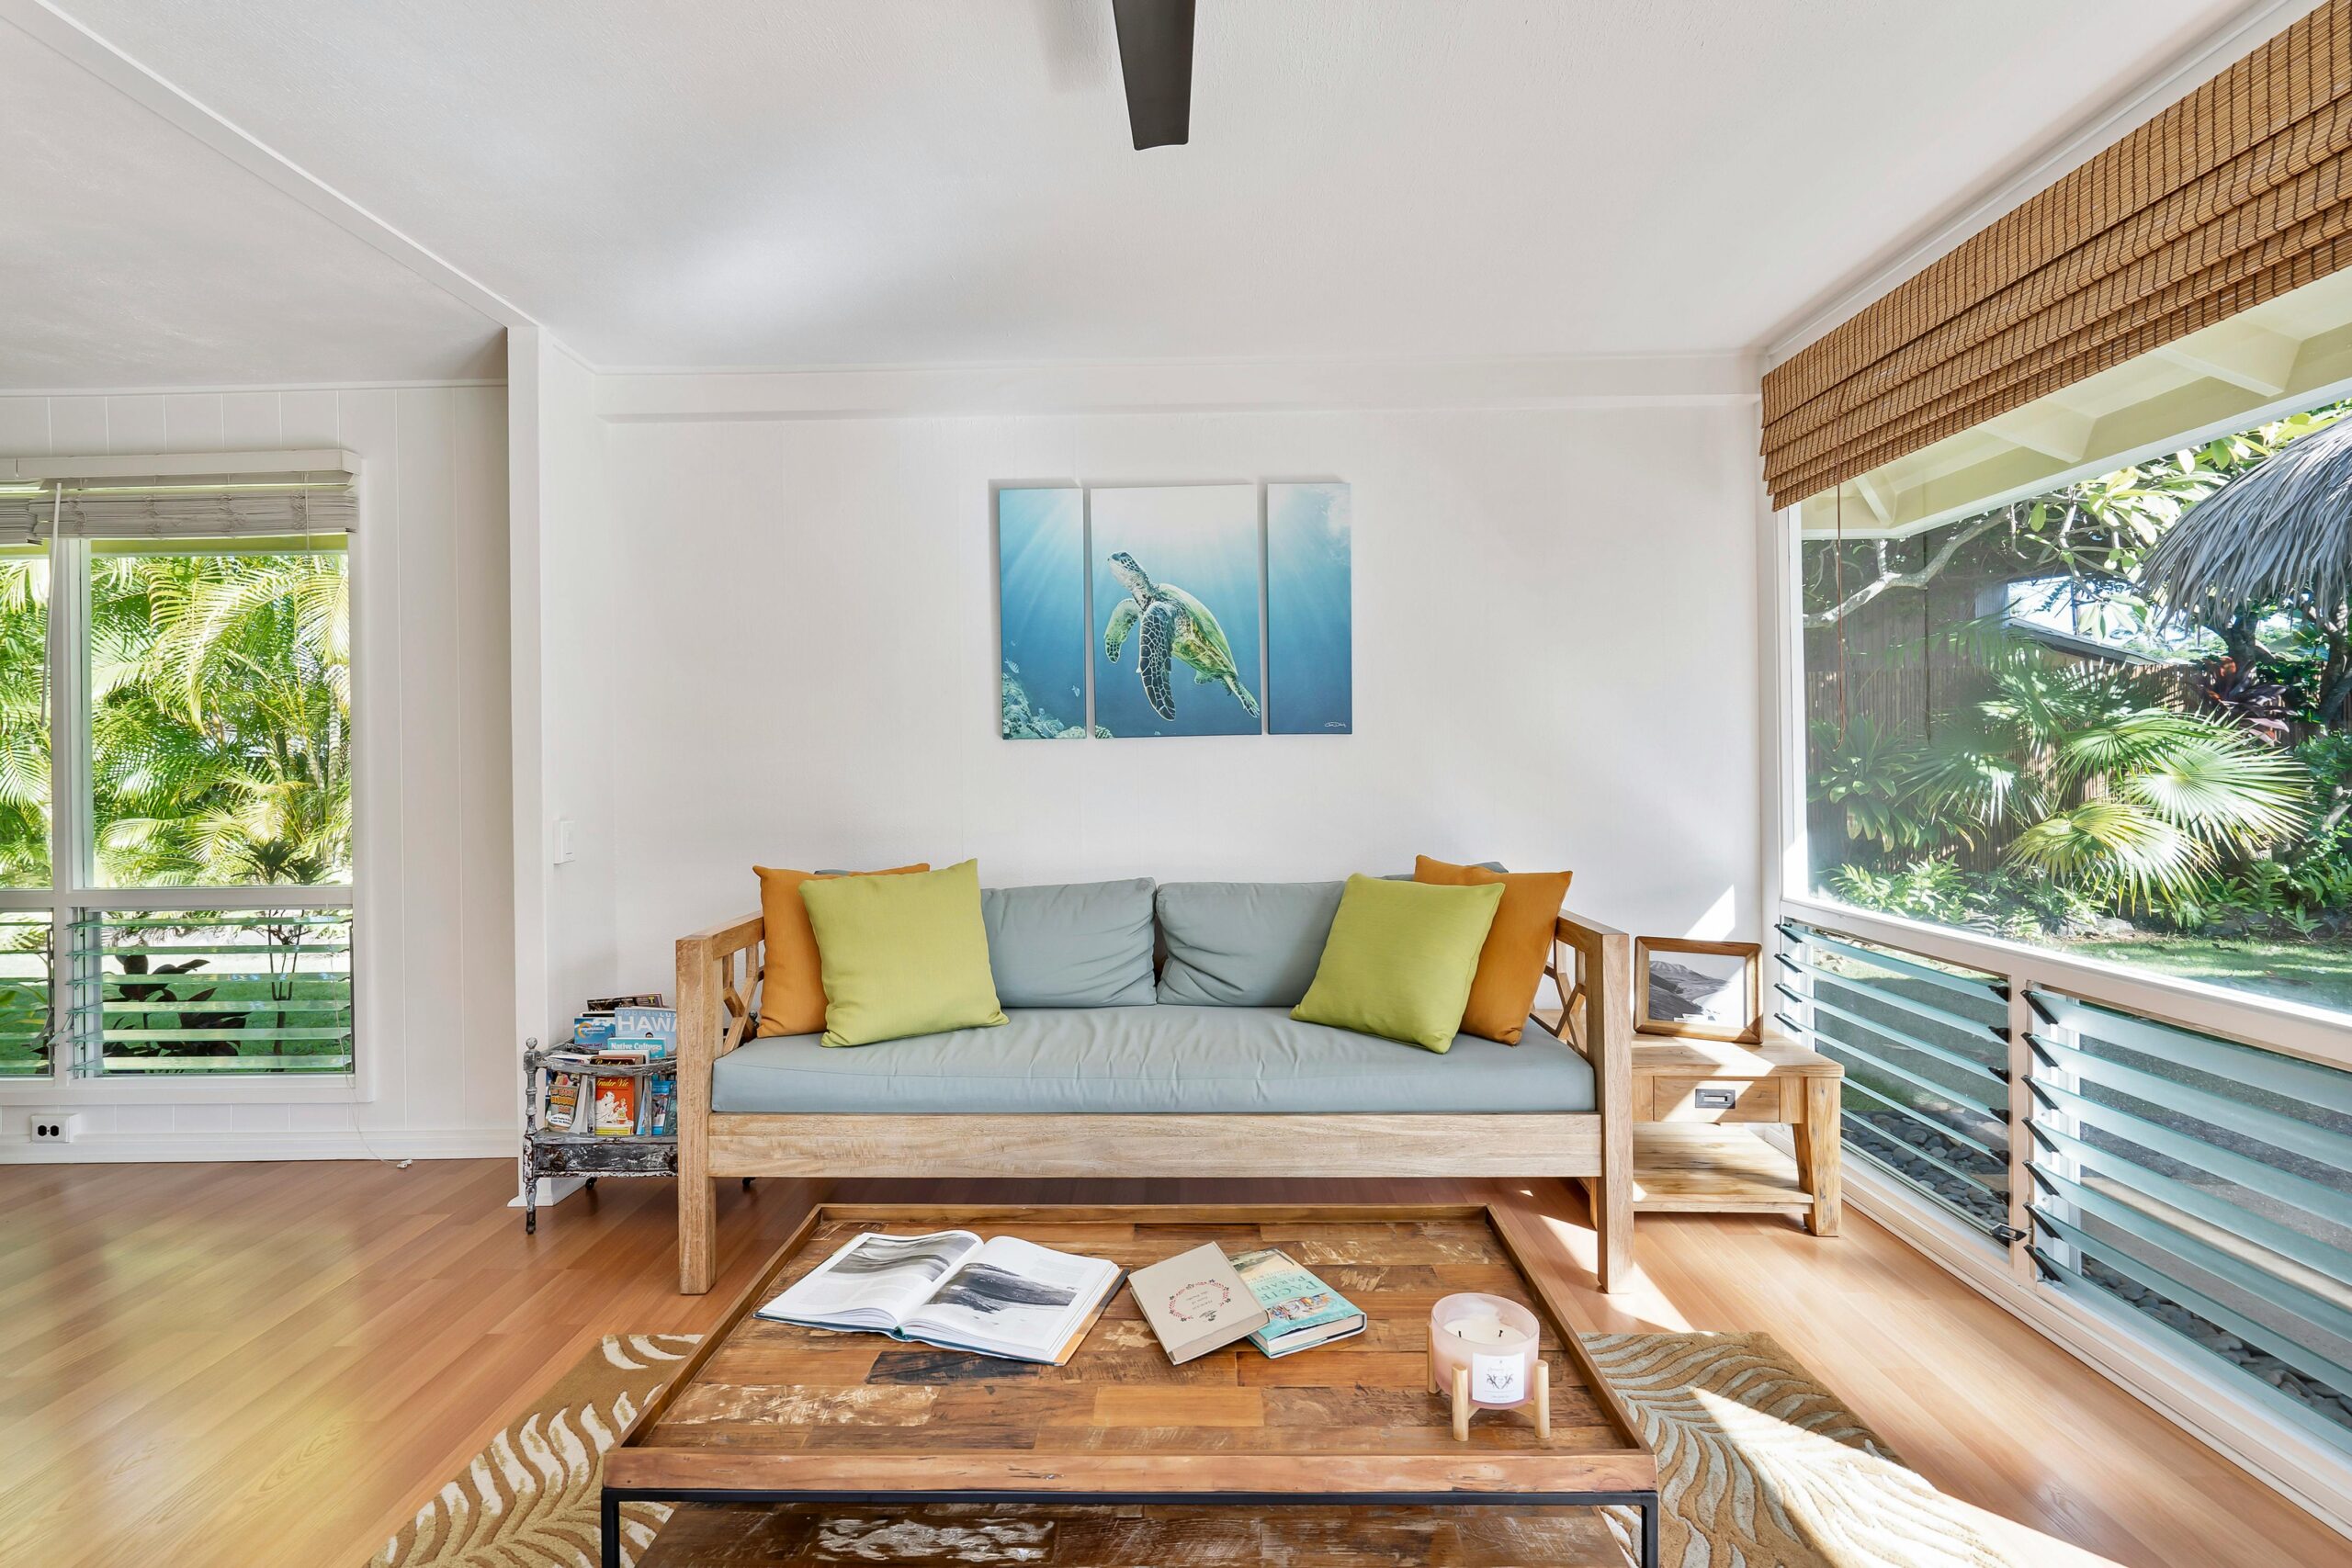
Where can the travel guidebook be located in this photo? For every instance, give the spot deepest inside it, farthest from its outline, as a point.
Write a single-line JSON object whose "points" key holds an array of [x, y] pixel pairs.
{"points": [[1002, 1297], [1301, 1311]]}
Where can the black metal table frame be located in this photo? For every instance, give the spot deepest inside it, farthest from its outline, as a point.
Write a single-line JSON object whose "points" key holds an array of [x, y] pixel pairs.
{"points": [[1646, 1502]]}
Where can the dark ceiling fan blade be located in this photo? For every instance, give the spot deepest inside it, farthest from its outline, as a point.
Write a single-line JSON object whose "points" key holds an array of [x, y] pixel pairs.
{"points": [[1156, 58]]}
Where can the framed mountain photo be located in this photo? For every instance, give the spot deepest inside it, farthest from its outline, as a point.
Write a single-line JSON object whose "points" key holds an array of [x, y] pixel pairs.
{"points": [[1698, 990]]}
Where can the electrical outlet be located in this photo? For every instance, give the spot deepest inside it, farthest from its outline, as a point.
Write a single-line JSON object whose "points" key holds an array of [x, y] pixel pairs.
{"points": [[55, 1126]]}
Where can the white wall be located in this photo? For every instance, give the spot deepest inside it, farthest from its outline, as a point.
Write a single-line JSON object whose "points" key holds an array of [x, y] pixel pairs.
{"points": [[1555, 661], [587, 632], [434, 855]]}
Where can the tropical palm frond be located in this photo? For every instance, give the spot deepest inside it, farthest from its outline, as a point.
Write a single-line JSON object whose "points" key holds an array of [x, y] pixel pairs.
{"points": [[2120, 743], [2119, 848], [24, 767], [2279, 532], [1970, 772], [2222, 789]]}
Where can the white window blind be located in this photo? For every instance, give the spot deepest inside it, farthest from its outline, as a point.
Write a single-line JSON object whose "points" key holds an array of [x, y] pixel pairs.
{"points": [[163, 498]]}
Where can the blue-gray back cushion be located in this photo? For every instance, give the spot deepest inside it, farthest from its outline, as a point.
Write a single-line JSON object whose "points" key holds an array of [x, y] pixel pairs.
{"points": [[1243, 944], [1408, 876], [1070, 945]]}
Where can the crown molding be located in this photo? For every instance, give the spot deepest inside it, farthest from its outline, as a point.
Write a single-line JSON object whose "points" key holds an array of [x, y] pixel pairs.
{"points": [[1176, 387]]}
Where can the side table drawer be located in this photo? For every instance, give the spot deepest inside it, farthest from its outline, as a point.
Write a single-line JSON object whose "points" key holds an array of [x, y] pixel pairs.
{"points": [[1714, 1100]]}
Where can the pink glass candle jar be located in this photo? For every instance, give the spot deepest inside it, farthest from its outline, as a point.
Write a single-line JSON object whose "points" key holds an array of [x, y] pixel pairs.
{"points": [[1492, 1339]]}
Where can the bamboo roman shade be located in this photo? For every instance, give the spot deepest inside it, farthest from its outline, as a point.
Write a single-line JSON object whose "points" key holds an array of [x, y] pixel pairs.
{"points": [[2240, 192]]}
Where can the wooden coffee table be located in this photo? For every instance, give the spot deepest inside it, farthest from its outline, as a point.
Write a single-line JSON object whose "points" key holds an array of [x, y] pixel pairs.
{"points": [[770, 1412]]}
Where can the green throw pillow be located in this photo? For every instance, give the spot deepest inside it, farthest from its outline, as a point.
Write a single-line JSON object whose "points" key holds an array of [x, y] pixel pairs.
{"points": [[1399, 959], [903, 954]]}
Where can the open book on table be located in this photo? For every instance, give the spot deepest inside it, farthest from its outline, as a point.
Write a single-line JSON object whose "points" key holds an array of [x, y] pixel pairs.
{"points": [[1001, 1297]]}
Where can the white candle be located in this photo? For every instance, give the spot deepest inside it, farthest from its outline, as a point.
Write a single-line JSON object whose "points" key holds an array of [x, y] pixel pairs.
{"points": [[1491, 1339], [1486, 1330]]}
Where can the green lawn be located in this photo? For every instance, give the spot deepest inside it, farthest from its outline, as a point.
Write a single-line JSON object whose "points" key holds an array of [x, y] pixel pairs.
{"points": [[2316, 973]]}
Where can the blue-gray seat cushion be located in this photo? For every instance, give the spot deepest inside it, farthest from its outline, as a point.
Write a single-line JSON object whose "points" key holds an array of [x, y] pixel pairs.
{"points": [[1070, 945], [1243, 944], [1164, 1058]]}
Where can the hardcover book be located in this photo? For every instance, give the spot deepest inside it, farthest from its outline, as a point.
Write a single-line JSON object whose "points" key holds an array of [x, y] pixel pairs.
{"points": [[1301, 1311], [1002, 1297], [1195, 1303]]}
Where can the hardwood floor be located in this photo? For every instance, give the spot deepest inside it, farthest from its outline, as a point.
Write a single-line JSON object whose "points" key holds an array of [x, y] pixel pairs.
{"points": [[269, 1364]]}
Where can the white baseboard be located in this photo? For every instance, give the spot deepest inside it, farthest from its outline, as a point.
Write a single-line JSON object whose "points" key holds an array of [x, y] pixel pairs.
{"points": [[145, 1148], [2302, 1468], [553, 1189]]}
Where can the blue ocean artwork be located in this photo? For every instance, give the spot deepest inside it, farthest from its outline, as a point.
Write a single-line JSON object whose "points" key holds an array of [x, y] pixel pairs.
{"points": [[1041, 603], [1176, 635], [1310, 620]]}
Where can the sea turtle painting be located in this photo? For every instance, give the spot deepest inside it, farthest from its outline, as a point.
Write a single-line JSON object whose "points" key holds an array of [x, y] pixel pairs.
{"points": [[1175, 625]]}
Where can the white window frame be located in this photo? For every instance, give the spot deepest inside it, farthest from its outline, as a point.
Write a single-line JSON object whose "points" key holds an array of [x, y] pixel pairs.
{"points": [[2314, 1033], [72, 891], [2140, 1359]]}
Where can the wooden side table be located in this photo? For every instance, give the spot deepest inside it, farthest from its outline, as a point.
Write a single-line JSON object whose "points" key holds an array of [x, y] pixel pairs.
{"points": [[1694, 1101]]}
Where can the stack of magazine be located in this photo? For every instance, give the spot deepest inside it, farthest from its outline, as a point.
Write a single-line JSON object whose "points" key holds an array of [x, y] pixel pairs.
{"points": [[1002, 1297], [613, 1032]]}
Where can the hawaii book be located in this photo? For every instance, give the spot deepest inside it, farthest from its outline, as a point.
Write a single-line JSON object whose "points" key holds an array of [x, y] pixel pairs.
{"points": [[1301, 1311], [1195, 1303], [1002, 1297]]}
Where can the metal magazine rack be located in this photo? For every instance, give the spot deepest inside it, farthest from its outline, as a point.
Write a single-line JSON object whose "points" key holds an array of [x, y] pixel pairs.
{"points": [[563, 1152]]}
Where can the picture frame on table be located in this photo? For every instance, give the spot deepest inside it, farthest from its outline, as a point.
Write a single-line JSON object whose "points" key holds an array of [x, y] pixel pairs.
{"points": [[1698, 990]]}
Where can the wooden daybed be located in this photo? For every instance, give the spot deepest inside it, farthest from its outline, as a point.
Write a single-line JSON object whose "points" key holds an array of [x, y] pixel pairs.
{"points": [[718, 979]]}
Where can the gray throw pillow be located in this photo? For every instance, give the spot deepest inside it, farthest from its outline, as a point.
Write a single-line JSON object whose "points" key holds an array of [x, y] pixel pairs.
{"points": [[1070, 945], [1243, 944]]}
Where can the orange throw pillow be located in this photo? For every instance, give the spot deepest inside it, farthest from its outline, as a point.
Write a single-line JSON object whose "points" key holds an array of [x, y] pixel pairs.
{"points": [[1511, 965], [792, 987]]}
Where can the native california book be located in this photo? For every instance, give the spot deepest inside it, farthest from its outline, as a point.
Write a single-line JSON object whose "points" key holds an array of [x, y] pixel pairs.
{"points": [[1002, 1297], [1301, 1311]]}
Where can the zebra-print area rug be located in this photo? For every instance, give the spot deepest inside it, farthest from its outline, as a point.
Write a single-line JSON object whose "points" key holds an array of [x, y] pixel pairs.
{"points": [[1759, 1466]]}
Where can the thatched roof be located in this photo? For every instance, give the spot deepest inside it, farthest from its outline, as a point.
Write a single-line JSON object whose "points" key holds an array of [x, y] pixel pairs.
{"points": [[2280, 533]]}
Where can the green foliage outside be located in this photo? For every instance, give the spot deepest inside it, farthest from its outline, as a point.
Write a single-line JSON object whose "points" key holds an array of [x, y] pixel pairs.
{"points": [[2187, 796], [220, 740]]}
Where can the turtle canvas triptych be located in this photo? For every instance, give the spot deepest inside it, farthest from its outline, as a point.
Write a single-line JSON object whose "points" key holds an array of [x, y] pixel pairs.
{"points": [[1182, 608]]}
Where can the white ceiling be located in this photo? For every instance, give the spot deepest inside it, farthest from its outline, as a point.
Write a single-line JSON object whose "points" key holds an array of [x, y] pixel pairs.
{"points": [[133, 255], [840, 182]]}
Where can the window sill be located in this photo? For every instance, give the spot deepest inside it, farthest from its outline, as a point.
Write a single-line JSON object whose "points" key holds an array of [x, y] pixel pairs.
{"points": [[210, 1089], [2274, 1024]]}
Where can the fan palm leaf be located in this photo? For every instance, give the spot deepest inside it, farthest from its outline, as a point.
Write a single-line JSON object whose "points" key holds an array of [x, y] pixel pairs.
{"points": [[2118, 848], [2222, 789]]}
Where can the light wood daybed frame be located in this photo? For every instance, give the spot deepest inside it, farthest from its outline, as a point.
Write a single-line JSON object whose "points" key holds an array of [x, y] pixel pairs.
{"points": [[718, 978]]}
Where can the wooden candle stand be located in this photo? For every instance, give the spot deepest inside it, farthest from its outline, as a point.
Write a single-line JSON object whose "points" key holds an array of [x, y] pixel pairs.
{"points": [[1540, 1396]]}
